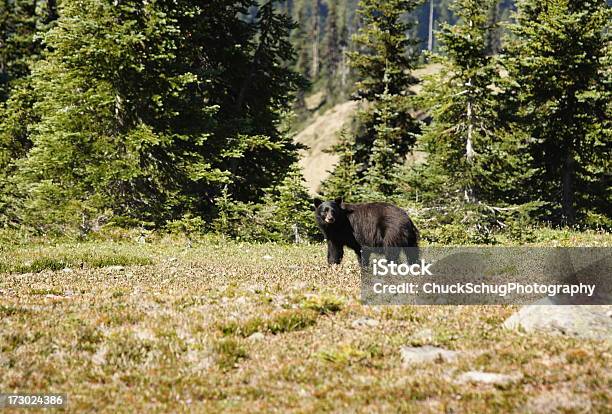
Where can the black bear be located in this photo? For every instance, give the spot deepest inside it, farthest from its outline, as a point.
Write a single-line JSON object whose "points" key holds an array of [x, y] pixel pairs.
{"points": [[363, 225]]}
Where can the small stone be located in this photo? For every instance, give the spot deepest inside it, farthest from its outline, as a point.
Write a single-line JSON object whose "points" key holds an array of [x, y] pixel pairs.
{"points": [[426, 335], [488, 378], [267, 257], [257, 336], [67, 270], [115, 268], [99, 358], [412, 355], [364, 323]]}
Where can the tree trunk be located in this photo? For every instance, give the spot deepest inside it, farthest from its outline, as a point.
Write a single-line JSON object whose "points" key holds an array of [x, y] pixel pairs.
{"points": [[567, 203], [469, 146], [343, 67], [431, 15], [51, 11], [314, 70]]}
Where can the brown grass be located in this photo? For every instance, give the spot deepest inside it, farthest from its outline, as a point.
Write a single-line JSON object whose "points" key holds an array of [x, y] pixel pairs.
{"points": [[175, 335]]}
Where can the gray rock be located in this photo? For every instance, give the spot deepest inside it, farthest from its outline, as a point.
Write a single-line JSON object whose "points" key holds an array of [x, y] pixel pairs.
{"points": [[488, 378], [115, 268], [591, 322], [99, 358], [364, 323], [426, 335], [412, 355], [257, 336]]}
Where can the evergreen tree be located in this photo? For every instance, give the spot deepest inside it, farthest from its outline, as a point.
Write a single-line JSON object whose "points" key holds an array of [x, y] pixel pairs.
{"points": [[385, 157], [21, 25], [383, 59], [383, 66], [147, 111], [288, 210], [561, 91], [462, 104], [332, 53], [345, 181]]}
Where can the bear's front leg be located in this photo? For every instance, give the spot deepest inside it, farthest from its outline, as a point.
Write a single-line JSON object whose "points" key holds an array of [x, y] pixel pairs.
{"points": [[335, 252]]}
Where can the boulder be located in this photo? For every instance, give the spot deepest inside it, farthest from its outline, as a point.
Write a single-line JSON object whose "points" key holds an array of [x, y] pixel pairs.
{"points": [[582, 321]]}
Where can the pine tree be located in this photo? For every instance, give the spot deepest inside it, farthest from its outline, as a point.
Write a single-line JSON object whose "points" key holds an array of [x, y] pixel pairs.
{"points": [[345, 181], [148, 115], [384, 45], [462, 103], [383, 66], [561, 88], [266, 87], [332, 53], [22, 24], [288, 209], [385, 157]]}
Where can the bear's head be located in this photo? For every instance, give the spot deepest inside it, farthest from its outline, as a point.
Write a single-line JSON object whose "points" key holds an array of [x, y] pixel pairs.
{"points": [[328, 212]]}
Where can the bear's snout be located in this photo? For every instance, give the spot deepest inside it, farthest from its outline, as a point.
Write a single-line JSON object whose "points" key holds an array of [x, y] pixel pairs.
{"points": [[329, 219]]}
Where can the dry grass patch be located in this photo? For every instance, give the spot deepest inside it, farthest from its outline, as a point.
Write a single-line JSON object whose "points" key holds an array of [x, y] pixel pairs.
{"points": [[171, 336]]}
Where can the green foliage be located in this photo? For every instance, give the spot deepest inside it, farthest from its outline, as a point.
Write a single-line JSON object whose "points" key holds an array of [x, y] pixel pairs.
{"points": [[459, 223], [323, 305], [461, 135], [134, 116], [288, 209], [338, 19], [386, 153], [344, 181], [284, 215], [21, 25], [229, 352], [387, 130], [559, 86], [383, 60], [285, 321], [187, 225]]}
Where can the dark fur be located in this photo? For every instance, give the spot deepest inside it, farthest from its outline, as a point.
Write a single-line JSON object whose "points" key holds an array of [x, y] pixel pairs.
{"points": [[363, 225]]}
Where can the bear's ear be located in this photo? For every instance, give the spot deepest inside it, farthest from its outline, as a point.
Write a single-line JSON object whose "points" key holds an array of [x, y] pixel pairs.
{"points": [[317, 202], [339, 201]]}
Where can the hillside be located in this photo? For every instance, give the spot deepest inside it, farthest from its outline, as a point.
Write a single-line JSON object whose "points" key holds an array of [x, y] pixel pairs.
{"points": [[321, 131]]}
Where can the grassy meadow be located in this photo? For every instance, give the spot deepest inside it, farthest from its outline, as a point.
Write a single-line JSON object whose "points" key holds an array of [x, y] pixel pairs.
{"points": [[217, 325]]}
